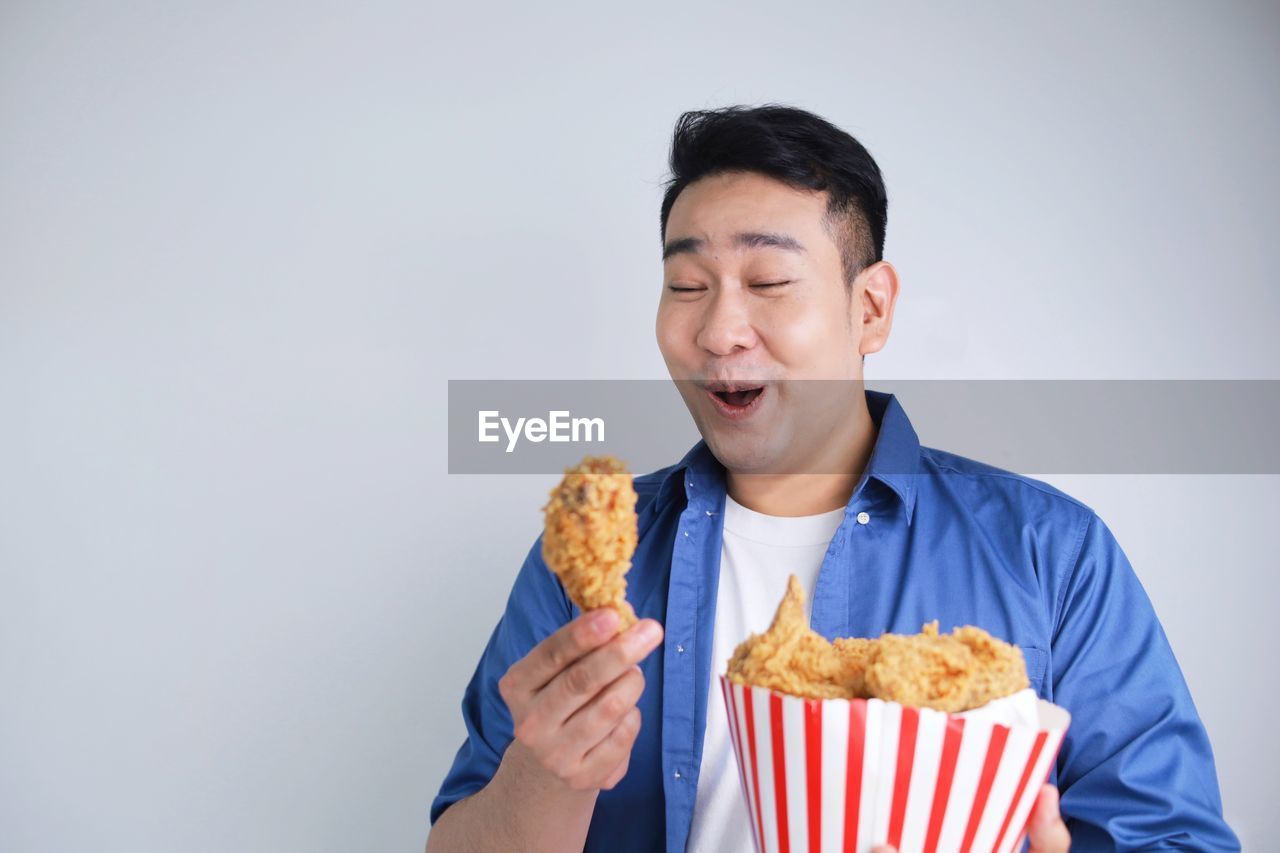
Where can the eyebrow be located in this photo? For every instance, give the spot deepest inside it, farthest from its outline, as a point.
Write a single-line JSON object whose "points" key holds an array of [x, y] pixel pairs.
{"points": [[744, 240]]}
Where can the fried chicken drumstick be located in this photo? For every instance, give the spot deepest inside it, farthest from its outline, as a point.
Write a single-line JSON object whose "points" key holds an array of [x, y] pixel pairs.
{"points": [[590, 534]]}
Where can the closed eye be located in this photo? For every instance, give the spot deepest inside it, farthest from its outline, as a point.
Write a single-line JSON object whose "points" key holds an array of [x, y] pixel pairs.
{"points": [[677, 288]]}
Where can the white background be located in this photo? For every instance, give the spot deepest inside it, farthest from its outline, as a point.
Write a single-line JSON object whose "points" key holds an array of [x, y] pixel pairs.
{"points": [[244, 245]]}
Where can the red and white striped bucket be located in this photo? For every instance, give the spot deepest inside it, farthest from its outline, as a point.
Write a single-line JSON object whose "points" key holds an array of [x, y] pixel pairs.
{"points": [[843, 775]]}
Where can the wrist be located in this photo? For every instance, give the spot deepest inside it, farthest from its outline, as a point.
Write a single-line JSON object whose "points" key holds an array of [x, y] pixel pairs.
{"points": [[526, 775]]}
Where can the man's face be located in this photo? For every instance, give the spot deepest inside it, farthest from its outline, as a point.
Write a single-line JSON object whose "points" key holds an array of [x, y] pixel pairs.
{"points": [[740, 313]]}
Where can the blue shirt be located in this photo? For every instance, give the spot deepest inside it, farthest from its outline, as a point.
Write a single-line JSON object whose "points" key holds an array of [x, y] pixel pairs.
{"points": [[947, 538]]}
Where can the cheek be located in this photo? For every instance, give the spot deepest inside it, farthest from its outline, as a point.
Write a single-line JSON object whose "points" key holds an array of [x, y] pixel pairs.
{"points": [[808, 334], [671, 330]]}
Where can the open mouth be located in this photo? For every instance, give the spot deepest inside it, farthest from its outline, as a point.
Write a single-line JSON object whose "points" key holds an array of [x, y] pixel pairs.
{"points": [[739, 398], [735, 399]]}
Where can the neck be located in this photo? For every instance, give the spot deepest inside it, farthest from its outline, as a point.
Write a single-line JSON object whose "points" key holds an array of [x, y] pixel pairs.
{"points": [[810, 494]]}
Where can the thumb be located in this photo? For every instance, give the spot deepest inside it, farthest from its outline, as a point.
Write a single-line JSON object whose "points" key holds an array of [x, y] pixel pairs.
{"points": [[1046, 831]]}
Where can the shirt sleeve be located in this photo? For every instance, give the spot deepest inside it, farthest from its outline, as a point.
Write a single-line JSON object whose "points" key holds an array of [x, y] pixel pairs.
{"points": [[535, 609], [1136, 769]]}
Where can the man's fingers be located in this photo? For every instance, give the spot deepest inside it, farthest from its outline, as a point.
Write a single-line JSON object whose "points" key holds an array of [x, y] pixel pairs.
{"points": [[591, 723], [579, 683], [1046, 832], [563, 648], [602, 762], [612, 782]]}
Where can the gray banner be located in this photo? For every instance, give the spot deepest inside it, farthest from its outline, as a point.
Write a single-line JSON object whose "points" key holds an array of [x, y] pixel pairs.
{"points": [[1027, 426]]}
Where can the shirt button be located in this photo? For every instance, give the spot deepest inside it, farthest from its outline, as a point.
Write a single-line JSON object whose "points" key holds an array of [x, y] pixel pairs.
{"points": [[863, 518], [686, 534], [677, 775], [679, 649]]}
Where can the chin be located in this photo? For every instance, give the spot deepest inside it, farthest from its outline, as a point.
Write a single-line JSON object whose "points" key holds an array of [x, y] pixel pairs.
{"points": [[747, 454]]}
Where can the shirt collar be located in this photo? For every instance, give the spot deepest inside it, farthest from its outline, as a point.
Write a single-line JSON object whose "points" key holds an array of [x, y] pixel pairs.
{"points": [[894, 460], [896, 455]]}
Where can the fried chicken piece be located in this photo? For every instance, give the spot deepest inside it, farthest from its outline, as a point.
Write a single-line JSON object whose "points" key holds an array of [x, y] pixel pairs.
{"points": [[951, 672], [947, 672], [790, 657], [855, 654], [591, 534], [1000, 669], [923, 670]]}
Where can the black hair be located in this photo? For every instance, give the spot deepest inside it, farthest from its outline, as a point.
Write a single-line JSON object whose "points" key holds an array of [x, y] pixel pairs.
{"points": [[798, 148]]}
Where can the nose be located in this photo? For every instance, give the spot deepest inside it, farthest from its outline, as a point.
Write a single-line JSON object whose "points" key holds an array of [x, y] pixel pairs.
{"points": [[726, 326]]}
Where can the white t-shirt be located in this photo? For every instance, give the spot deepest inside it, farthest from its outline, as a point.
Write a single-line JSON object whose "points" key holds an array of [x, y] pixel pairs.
{"points": [[758, 554]]}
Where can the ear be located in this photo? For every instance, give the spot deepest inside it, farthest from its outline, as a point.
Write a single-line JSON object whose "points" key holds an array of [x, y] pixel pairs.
{"points": [[876, 290]]}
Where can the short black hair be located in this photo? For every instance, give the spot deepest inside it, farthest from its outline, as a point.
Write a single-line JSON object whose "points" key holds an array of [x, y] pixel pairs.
{"points": [[798, 148]]}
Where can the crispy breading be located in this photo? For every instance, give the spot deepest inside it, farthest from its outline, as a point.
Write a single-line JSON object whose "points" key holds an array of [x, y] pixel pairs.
{"points": [[1000, 668], [855, 653], [590, 534], [923, 670], [947, 672], [950, 672], [790, 657]]}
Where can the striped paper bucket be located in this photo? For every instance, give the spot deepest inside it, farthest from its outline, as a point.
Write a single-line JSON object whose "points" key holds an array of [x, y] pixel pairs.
{"points": [[840, 775]]}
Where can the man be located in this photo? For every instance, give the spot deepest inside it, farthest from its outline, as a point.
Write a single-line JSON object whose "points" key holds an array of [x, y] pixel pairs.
{"points": [[773, 232]]}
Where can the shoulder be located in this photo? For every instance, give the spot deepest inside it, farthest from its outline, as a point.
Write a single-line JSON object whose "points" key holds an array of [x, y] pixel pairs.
{"points": [[1054, 530], [983, 488], [977, 475]]}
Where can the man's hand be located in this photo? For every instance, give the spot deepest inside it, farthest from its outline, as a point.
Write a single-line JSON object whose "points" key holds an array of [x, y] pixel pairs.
{"points": [[1046, 831], [573, 700]]}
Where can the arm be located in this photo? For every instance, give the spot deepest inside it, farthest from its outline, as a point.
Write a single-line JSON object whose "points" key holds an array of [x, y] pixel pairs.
{"points": [[551, 717], [1136, 769], [520, 804]]}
